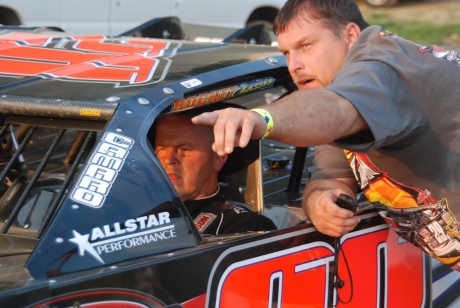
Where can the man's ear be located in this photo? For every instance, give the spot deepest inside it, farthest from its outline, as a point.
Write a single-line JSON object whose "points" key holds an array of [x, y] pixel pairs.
{"points": [[352, 32], [219, 161]]}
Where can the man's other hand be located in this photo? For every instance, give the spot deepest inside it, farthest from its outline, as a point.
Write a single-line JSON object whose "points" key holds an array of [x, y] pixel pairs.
{"points": [[232, 127], [327, 216]]}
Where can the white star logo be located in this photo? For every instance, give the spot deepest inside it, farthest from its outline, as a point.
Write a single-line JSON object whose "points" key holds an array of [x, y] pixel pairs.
{"points": [[83, 244]]}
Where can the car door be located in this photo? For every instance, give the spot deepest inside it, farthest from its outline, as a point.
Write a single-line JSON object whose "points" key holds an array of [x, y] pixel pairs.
{"points": [[128, 14]]}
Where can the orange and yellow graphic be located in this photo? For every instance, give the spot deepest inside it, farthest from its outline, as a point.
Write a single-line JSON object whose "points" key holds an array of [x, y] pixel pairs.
{"points": [[413, 213], [378, 186]]}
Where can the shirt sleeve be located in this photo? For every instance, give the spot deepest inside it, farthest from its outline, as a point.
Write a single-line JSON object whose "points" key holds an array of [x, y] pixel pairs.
{"points": [[330, 162], [374, 79]]}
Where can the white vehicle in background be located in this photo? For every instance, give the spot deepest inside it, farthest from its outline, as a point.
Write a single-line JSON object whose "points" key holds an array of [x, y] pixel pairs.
{"points": [[113, 17]]}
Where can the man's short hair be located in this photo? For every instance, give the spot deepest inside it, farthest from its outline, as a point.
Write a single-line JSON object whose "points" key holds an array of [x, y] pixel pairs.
{"points": [[207, 129], [336, 14], [205, 132]]}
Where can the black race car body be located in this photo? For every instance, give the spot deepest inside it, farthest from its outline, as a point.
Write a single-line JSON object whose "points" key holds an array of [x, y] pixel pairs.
{"points": [[90, 219]]}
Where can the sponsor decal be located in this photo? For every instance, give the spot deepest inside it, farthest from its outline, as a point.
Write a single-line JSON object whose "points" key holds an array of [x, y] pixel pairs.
{"points": [[90, 112], [222, 94], [98, 176], [239, 209], [204, 220], [441, 53], [191, 83], [438, 52], [125, 62], [134, 232]]}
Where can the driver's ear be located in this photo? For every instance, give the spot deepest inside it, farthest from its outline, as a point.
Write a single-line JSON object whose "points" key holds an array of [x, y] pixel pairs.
{"points": [[219, 161]]}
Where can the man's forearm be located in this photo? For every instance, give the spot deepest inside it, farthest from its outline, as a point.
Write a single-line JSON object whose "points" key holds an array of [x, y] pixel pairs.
{"points": [[313, 117]]}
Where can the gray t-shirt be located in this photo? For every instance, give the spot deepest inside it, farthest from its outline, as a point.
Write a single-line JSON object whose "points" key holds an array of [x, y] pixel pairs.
{"points": [[409, 95]]}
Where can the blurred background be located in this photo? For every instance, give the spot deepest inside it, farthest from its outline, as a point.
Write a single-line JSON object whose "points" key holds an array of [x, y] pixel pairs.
{"points": [[431, 22], [423, 21]]}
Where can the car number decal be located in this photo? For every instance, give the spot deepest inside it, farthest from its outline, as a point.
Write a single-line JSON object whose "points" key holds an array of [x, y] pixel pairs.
{"points": [[125, 62], [376, 257]]}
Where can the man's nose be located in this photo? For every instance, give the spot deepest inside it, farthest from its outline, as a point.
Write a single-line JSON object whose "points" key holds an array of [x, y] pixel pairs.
{"points": [[170, 156], [295, 62]]}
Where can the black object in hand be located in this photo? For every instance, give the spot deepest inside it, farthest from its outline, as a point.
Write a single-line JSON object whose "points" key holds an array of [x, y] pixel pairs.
{"points": [[347, 202]]}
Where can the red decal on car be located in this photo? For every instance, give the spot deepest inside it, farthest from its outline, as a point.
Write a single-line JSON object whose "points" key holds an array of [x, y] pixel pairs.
{"points": [[300, 276], [282, 273], [197, 302], [93, 58]]}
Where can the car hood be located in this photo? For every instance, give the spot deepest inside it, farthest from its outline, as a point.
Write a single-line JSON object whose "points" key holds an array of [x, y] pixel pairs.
{"points": [[53, 66]]}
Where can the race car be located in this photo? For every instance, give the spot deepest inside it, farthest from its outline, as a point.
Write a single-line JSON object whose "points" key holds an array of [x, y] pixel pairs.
{"points": [[90, 218]]}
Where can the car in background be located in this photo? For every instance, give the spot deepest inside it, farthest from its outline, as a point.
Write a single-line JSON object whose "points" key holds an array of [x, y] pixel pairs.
{"points": [[113, 17]]}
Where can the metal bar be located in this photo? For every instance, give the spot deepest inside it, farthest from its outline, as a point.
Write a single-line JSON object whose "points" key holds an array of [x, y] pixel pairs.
{"points": [[52, 207], [2, 130], [59, 108], [297, 169], [32, 182], [15, 143], [74, 150], [23, 144]]}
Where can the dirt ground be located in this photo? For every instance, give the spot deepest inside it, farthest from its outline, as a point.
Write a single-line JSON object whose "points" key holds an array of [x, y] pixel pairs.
{"points": [[436, 11]]}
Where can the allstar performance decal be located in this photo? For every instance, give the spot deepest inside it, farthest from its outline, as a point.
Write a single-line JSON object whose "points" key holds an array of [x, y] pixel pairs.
{"points": [[102, 241], [98, 176]]}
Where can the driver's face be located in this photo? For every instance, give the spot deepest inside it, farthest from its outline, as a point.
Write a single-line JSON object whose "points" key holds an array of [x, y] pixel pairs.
{"points": [[313, 53], [184, 151]]}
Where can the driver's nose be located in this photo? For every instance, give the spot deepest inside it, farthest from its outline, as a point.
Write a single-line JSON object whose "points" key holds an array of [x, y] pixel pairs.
{"points": [[170, 156]]}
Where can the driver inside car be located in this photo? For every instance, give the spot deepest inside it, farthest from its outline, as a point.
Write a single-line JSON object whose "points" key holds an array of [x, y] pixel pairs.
{"points": [[185, 151]]}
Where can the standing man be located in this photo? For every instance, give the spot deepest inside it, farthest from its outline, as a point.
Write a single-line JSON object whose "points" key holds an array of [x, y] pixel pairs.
{"points": [[386, 113]]}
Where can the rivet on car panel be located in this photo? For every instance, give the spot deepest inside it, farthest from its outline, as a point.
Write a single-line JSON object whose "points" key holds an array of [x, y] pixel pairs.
{"points": [[143, 101], [112, 99], [168, 91]]}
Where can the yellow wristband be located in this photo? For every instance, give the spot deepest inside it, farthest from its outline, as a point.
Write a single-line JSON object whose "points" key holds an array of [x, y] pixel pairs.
{"points": [[268, 119]]}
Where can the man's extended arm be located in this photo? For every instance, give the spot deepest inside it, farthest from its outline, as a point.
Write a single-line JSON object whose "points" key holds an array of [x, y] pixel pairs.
{"points": [[303, 118], [319, 205]]}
